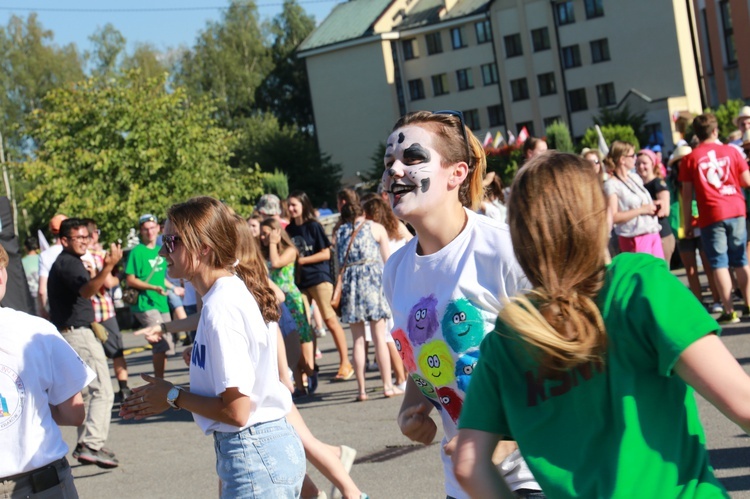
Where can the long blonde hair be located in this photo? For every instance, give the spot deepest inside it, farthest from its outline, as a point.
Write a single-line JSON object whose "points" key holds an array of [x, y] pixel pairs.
{"points": [[452, 148], [558, 224]]}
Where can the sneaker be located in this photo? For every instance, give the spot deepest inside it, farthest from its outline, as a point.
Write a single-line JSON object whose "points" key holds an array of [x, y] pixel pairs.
{"points": [[318, 354], [299, 394], [716, 308], [77, 451], [728, 318], [312, 383], [371, 367], [745, 311], [320, 332], [103, 458]]}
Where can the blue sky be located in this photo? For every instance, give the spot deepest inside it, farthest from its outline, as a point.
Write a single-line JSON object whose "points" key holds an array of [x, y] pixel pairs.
{"points": [[162, 29]]}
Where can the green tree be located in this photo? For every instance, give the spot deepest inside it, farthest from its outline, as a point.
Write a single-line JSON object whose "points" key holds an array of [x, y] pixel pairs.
{"points": [[109, 45], [228, 62], [725, 115], [285, 92], [117, 148], [276, 183], [31, 65], [558, 137], [610, 133], [147, 59], [624, 117]]}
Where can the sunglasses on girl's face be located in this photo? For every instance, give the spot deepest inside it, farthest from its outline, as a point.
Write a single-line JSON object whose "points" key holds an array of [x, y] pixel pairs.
{"points": [[169, 240]]}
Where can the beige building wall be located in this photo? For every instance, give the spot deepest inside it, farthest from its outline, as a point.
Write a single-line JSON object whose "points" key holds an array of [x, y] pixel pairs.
{"points": [[354, 101]]}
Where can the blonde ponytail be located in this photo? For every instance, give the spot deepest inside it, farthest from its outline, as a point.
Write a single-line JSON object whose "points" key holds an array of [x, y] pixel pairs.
{"points": [[557, 218]]}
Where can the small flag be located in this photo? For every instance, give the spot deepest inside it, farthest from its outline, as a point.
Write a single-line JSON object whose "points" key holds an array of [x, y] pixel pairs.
{"points": [[498, 140], [511, 138], [603, 148], [523, 135], [43, 244], [487, 140]]}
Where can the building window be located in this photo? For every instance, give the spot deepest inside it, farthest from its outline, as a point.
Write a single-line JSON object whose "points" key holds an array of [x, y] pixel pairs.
{"points": [[529, 127], [471, 118], [565, 14], [571, 56], [728, 32], [440, 84], [599, 50], [605, 94], [434, 43], [416, 89], [593, 8], [513, 46], [496, 115], [540, 39], [484, 31], [465, 79], [457, 38], [409, 47], [519, 89], [551, 121], [547, 84], [577, 100], [489, 73]]}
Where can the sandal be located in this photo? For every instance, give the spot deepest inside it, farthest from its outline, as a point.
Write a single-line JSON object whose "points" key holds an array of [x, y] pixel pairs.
{"points": [[344, 374], [361, 397], [392, 391]]}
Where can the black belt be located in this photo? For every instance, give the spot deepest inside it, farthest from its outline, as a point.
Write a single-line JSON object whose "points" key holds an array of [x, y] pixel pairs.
{"points": [[39, 479]]}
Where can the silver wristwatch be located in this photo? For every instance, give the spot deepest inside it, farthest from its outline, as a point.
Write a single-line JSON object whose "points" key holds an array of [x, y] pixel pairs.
{"points": [[172, 395]]}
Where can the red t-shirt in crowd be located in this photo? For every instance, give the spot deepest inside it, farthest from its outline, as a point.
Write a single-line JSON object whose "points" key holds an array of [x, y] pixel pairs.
{"points": [[714, 170]]}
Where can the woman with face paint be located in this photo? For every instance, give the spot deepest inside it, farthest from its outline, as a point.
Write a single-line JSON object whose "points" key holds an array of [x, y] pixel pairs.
{"points": [[315, 279], [591, 370], [448, 284]]}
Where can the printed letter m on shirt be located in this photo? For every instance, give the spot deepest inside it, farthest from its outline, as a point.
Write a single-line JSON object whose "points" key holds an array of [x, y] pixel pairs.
{"points": [[199, 356]]}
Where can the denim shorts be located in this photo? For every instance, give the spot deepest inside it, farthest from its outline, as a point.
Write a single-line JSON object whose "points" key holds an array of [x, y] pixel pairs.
{"points": [[724, 243], [173, 300], [264, 460]]}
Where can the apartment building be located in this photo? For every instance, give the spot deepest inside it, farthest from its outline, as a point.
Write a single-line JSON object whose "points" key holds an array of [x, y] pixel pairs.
{"points": [[505, 63], [724, 50]]}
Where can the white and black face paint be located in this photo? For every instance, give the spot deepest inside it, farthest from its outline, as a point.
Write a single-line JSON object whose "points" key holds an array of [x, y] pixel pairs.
{"points": [[411, 163]]}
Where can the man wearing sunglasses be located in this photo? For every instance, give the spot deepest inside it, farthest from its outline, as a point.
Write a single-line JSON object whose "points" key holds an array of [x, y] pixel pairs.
{"points": [[146, 272], [70, 287]]}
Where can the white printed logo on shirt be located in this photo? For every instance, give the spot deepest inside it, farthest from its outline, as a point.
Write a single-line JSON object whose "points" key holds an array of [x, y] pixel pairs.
{"points": [[12, 393], [715, 172]]}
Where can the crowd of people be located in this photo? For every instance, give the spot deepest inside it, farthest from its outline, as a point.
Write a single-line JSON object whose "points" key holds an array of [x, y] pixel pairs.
{"points": [[536, 320]]}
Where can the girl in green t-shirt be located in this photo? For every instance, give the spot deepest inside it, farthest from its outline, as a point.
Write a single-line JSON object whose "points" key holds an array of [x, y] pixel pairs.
{"points": [[580, 370]]}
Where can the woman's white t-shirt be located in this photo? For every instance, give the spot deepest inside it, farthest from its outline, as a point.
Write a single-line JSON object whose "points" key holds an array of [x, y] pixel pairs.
{"points": [[443, 305], [234, 348], [630, 195]]}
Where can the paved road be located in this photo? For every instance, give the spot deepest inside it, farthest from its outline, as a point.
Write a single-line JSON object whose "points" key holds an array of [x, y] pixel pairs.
{"points": [[168, 456]]}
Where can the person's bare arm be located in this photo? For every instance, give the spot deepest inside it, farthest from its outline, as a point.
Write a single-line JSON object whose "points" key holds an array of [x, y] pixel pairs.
{"points": [[69, 413], [96, 283], [381, 236], [619, 217], [321, 256], [280, 260], [280, 296], [745, 178], [41, 297], [710, 368], [414, 416], [663, 198], [474, 468]]}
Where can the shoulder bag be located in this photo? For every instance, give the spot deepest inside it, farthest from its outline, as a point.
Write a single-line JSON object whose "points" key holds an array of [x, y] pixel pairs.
{"points": [[339, 286]]}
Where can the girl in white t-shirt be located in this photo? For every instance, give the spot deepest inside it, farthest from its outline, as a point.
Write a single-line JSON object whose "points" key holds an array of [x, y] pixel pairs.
{"points": [[235, 393], [447, 285]]}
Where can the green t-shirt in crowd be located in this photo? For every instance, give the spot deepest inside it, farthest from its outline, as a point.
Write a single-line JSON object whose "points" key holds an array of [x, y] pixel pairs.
{"points": [[141, 261], [627, 428]]}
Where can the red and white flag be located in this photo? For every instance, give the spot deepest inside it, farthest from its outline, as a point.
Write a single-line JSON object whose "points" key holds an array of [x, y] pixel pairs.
{"points": [[487, 140], [523, 135], [511, 138]]}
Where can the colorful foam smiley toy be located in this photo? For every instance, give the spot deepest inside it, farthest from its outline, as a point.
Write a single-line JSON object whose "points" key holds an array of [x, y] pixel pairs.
{"points": [[424, 386], [436, 363], [451, 401], [405, 351], [423, 320], [464, 367], [463, 325]]}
